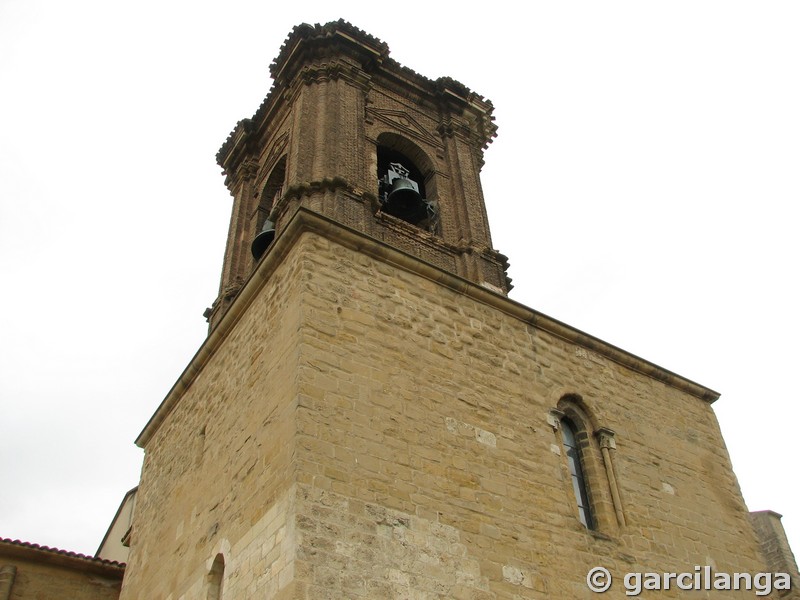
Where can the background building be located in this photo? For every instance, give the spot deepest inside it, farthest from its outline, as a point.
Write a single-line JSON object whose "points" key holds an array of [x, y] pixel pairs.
{"points": [[33, 572]]}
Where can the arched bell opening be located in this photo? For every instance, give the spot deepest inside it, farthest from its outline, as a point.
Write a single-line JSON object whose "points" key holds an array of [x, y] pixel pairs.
{"points": [[401, 187], [271, 193]]}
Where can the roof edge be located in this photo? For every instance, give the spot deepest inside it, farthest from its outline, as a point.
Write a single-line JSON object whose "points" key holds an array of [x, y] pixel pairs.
{"points": [[64, 558]]}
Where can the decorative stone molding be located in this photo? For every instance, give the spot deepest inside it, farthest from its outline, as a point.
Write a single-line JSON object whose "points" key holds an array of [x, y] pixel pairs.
{"points": [[605, 438], [554, 418]]}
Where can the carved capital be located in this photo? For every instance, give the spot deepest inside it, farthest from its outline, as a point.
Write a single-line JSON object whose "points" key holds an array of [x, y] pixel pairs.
{"points": [[478, 132], [605, 437], [554, 417], [246, 170], [332, 70], [446, 128], [327, 71], [299, 190]]}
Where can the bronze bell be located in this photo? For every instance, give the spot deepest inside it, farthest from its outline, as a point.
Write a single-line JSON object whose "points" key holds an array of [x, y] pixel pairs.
{"points": [[263, 240], [405, 202]]}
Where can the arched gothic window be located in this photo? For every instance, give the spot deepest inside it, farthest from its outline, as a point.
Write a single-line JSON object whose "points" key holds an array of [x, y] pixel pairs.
{"points": [[576, 471]]}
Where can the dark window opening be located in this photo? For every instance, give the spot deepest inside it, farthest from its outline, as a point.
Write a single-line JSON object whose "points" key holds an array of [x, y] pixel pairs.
{"points": [[574, 462], [265, 227]]}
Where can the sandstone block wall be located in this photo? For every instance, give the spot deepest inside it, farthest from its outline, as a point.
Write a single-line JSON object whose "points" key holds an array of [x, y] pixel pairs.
{"points": [[370, 433], [218, 474], [428, 465]]}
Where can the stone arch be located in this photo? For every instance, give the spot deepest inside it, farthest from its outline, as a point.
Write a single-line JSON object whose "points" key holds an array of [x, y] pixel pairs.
{"points": [[271, 192], [574, 407], [216, 578], [393, 148], [403, 145]]}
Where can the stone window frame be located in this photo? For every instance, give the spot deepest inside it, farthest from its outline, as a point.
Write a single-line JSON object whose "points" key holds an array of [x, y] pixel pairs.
{"points": [[597, 448], [575, 466]]}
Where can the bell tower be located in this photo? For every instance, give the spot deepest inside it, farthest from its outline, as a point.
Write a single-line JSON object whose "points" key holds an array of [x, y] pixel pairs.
{"points": [[370, 416], [350, 134]]}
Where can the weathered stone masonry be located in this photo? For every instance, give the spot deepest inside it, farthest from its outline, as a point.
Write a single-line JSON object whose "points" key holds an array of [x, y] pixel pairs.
{"points": [[371, 417], [393, 439]]}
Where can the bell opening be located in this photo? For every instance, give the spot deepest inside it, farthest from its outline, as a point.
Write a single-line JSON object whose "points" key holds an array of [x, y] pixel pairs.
{"points": [[402, 189]]}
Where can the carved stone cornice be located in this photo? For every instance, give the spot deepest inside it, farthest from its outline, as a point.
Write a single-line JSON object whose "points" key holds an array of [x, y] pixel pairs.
{"points": [[317, 73], [236, 146], [246, 170], [320, 43], [340, 43], [300, 190], [472, 132], [332, 70]]}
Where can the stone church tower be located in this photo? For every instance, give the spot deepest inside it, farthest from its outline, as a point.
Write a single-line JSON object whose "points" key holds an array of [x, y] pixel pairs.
{"points": [[371, 416]]}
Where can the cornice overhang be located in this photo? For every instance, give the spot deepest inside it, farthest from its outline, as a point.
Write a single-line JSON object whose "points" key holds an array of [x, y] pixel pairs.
{"points": [[308, 43], [236, 147], [305, 220]]}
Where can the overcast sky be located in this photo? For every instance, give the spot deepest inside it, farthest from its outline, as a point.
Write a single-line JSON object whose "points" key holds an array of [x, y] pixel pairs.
{"points": [[644, 185]]}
